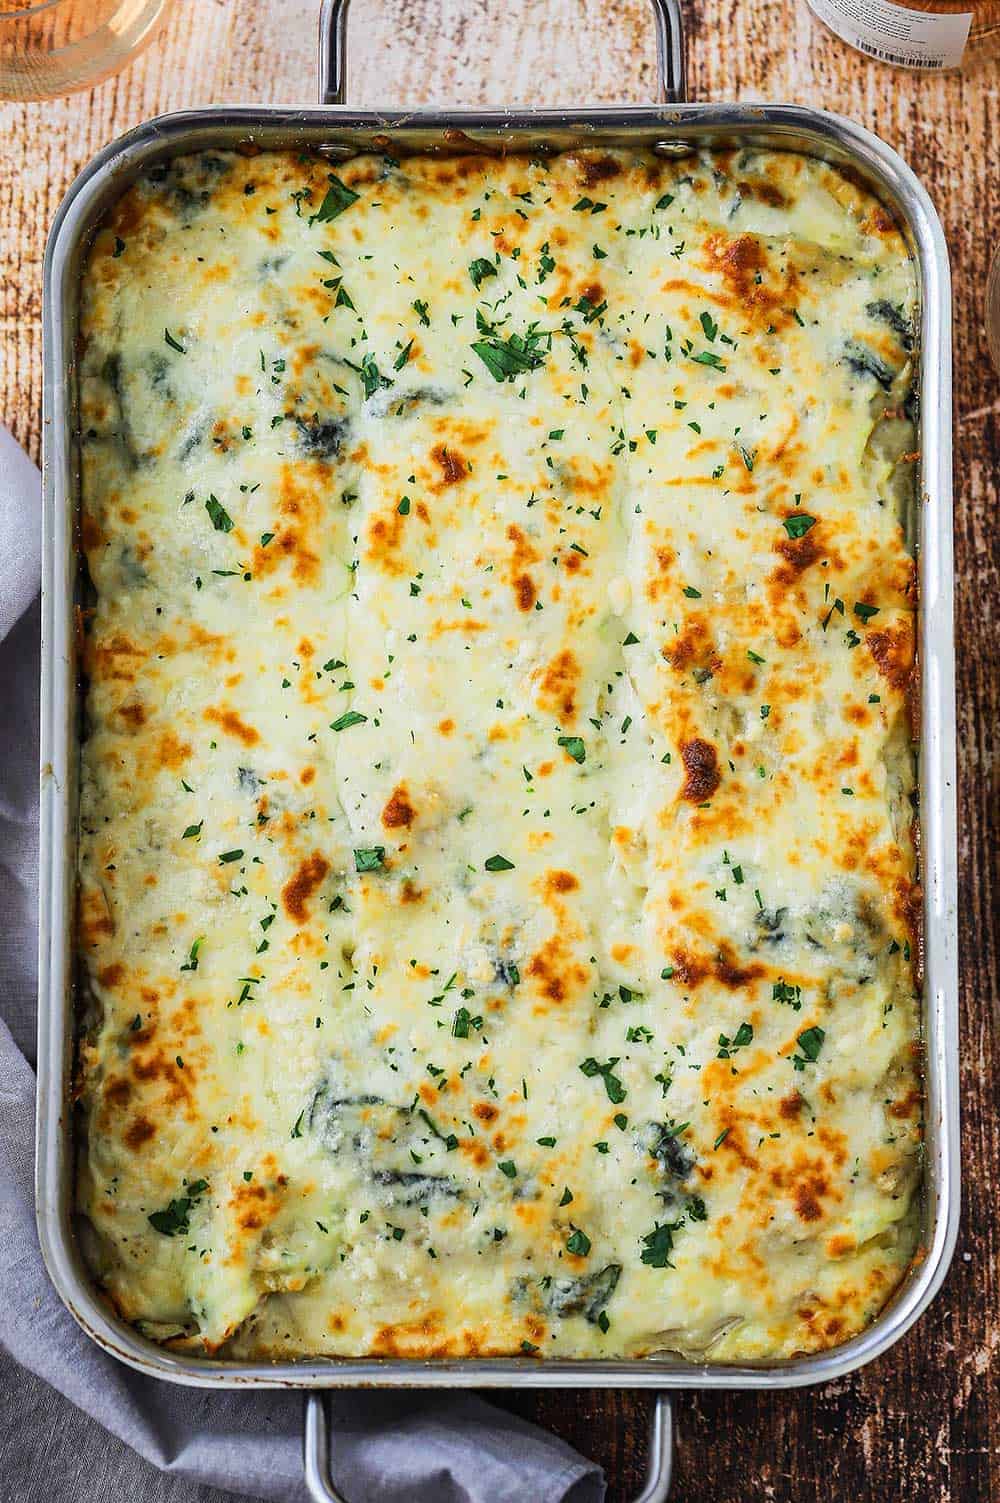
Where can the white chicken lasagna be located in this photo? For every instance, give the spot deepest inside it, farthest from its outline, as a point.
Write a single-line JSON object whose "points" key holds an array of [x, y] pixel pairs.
{"points": [[498, 892]]}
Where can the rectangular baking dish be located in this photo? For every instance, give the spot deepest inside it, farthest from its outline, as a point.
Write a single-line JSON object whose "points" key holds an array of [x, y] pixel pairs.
{"points": [[674, 128]]}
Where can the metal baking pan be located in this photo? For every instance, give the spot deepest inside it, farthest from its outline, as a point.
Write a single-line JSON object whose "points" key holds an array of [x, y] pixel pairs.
{"points": [[673, 128]]}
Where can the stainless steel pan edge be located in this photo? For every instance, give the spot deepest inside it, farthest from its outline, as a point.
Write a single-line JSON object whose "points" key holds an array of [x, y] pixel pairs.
{"points": [[340, 129]]}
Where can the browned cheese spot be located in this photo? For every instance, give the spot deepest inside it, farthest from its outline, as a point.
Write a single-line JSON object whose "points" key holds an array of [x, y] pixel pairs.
{"points": [[555, 972], [524, 589], [524, 555], [557, 689], [741, 261], [892, 649], [453, 465], [807, 1201], [302, 885], [702, 769], [134, 715], [398, 813], [798, 554], [229, 721], [139, 1132], [693, 647], [594, 170]]}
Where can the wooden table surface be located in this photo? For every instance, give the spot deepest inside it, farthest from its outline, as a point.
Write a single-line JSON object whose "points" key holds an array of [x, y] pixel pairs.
{"points": [[923, 1423]]}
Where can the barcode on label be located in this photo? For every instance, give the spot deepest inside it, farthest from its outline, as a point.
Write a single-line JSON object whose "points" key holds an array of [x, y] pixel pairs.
{"points": [[884, 56]]}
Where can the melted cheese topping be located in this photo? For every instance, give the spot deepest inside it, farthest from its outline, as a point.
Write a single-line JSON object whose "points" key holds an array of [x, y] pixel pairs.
{"points": [[496, 866]]}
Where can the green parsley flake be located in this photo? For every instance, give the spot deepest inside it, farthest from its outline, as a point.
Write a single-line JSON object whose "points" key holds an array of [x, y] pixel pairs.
{"points": [[507, 359], [371, 859], [574, 747], [349, 718], [798, 524], [480, 269], [221, 520], [337, 198]]}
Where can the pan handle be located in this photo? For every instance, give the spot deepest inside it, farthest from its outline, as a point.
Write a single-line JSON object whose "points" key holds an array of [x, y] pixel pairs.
{"points": [[659, 1467], [668, 20]]}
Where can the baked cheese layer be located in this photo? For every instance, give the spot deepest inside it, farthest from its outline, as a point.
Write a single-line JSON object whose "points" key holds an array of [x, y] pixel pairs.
{"points": [[498, 900]]}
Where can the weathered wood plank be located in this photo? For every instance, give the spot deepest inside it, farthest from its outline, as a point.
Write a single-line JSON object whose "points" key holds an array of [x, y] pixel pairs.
{"points": [[922, 1424]]}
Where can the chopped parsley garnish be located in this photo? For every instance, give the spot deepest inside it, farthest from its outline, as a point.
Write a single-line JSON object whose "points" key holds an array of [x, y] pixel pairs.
{"points": [[221, 520], [227, 856], [574, 747], [616, 1091], [191, 964], [709, 357], [345, 721], [174, 1221], [463, 1021], [337, 198], [193, 830], [790, 995], [498, 864], [739, 1040], [480, 269], [449, 1139], [659, 1244], [371, 377], [578, 1243], [798, 524], [369, 859], [172, 342], [508, 1168], [865, 612], [506, 359], [810, 1043]]}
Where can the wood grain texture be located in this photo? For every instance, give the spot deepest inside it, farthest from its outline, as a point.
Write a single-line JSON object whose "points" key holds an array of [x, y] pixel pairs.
{"points": [[923, 1423]]}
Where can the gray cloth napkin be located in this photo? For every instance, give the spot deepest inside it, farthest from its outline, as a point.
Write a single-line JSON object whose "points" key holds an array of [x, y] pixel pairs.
{"points": [[386, 1448]]}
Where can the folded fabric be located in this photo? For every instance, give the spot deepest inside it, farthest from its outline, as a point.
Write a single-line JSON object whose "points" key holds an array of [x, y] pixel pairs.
{"points": [[386, 1448]]}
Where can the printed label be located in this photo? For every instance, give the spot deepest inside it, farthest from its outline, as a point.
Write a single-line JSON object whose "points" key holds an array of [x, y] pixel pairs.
{"points": [[893, 34]]}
